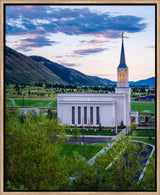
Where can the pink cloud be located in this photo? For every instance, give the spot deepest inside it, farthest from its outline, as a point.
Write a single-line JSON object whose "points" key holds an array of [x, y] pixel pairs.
{"points": [[108, 34], [23, 43], [100, 39], [151, 46], [34, 41], [89, 51]]}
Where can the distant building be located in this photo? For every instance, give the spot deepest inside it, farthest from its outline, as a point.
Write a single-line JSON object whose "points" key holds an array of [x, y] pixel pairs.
{"points": [[26, 111], [151, 87], [108, 110]]}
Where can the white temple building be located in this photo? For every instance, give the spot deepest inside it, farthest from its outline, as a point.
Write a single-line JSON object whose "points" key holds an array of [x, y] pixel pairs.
{"points": [[91, 109]]}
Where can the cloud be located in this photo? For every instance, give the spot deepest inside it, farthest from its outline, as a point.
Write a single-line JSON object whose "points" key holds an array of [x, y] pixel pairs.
{"points": [[44, 21], [68, 64], [37, 41], [89, 51], [57, 56], [151, 46], [69, 21], [99, 39]]}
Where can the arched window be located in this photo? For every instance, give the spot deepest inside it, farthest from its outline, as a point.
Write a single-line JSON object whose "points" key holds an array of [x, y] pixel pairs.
{"points": [[122, 77]]}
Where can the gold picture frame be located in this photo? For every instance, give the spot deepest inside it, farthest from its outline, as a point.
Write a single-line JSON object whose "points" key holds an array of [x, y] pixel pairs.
{"points": [[2, 72]]}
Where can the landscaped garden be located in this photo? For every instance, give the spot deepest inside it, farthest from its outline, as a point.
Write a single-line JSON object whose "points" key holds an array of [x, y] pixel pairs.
{"points": [[91, 131], [37, 159]]}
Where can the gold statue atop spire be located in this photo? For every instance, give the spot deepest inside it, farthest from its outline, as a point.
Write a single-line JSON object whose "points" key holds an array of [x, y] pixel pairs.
{"points": [[122, 36]]}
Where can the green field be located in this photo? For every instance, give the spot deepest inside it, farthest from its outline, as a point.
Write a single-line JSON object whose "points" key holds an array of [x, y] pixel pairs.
{"points": [[30, 92], [144, 133], [141, 107], [33, 103]]}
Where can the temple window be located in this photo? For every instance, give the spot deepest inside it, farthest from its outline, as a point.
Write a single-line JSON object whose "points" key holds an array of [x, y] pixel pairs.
{"points": [[79, 115], [97, 114], [85, 115], [122, 77], [73, 115], [91, 115]]}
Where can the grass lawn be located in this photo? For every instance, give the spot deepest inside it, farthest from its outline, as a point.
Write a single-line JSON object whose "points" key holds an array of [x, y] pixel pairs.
{"points": [[144, 133], [33, 103], [143, 107], [90, 150]]}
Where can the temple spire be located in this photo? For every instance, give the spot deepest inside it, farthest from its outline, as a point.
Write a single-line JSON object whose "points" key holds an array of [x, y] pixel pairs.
{"points": [[122, 70], [122, 36], [122, 58]]}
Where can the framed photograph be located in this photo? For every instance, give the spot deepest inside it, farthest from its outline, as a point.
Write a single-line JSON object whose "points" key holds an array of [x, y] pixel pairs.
{"points": [[79, 97]]}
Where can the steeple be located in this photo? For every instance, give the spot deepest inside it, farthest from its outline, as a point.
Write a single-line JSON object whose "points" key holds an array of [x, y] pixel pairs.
{"points": [[122, 58], [122, 70]]}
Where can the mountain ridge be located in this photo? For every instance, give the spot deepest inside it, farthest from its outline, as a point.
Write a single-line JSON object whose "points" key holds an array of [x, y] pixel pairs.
{"points": [[31, 69], [21, 69], [68, 75], [148, 81]]}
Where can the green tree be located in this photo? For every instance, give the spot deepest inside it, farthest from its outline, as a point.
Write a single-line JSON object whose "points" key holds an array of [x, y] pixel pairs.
{"points": [[29, 92], [142, 89], [32, 153], [75, 133]]}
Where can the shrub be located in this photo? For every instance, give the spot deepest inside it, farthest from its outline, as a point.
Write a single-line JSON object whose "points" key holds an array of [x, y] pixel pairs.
{"points": [[122, 125], [133, 127]]}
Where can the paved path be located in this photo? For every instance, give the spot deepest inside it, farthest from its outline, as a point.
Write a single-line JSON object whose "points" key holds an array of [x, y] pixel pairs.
{"points": [[146, 128], [140, 137], [145, 155], [91, 139]]}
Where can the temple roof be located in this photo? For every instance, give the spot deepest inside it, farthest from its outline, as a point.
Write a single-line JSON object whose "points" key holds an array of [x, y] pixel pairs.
{"points": [[122, 59]]}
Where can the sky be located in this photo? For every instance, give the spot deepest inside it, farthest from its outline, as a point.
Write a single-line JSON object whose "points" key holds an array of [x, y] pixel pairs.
{"points": [[86, 38]]}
